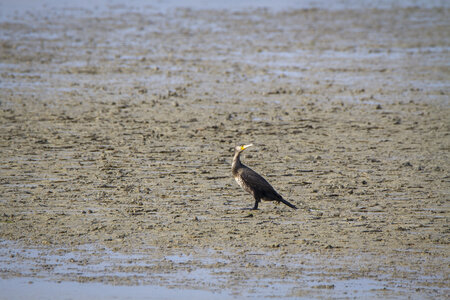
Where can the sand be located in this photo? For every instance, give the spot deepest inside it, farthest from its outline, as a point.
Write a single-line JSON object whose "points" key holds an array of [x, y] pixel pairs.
{"points": [[118, 129]]}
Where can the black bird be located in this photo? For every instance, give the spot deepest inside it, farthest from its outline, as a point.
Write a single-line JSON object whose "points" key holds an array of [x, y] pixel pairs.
{"points": [[252, 182]]}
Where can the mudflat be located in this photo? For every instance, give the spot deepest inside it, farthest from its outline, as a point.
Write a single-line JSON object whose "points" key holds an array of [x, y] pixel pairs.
{"points": [[118, 129]]}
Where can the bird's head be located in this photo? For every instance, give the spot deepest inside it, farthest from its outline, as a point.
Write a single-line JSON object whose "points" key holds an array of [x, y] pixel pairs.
{"points": [[239, 149]]}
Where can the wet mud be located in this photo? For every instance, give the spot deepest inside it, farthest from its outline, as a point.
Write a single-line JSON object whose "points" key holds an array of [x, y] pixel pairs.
{"points": [[117, 135]]}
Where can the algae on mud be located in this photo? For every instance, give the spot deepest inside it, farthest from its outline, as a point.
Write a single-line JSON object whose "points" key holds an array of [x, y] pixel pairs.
{"points": [[117, 133]]}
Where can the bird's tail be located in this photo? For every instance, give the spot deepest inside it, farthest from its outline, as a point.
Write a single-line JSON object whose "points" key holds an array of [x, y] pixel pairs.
{"points": [[288, 203]]}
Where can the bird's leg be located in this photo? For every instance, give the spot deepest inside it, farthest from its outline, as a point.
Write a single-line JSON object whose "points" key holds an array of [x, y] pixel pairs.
{"points": [[255, 207]]}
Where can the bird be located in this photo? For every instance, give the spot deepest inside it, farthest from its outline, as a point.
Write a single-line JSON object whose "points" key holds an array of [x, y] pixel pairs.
{"points": [[252, 182]]}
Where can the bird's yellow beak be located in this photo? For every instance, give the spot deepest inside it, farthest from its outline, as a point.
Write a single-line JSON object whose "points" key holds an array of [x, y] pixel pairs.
{"points": [[243, 147]]}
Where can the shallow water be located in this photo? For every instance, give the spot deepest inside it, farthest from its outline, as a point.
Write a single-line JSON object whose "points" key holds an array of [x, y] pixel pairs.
{"points": [[89, 273], [36, 288], [9, 8]]}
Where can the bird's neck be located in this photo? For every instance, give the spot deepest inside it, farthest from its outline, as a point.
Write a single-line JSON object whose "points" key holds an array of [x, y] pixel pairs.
{"points": [[236, 162]]}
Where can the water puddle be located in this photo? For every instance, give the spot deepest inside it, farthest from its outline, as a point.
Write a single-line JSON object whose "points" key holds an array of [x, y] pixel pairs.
{"points": [[36, 288]]}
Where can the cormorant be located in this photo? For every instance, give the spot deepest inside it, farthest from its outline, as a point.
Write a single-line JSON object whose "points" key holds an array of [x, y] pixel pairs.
{"points": [[252, 182]]}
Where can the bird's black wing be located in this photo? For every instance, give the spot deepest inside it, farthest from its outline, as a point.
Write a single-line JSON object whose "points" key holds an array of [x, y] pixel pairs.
{"points": [[257, 183]]}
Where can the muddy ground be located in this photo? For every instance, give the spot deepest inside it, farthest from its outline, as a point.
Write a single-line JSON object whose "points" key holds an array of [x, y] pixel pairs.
{"points": [[117, 129]]}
